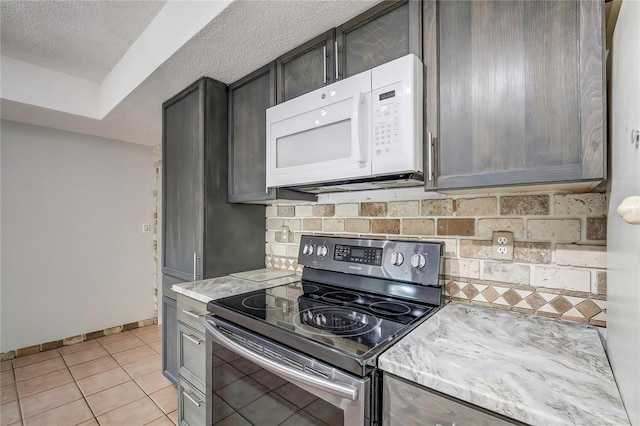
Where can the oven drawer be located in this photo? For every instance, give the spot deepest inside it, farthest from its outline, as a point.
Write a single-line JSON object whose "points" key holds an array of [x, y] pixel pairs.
{"points": [[191, 312], [192, 407], [191, 356]]}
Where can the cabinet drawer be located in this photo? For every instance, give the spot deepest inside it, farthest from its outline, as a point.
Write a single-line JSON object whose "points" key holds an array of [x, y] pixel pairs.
{"points": [[191, 356], [191, 312], [192, 405]]}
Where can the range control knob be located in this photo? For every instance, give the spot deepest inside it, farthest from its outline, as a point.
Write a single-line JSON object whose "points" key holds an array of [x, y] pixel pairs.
{"points": [[307, 249], [397, 258], [322, 250], [418, 261]]}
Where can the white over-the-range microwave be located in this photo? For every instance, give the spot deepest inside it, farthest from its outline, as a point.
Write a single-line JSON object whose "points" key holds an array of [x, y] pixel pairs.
{"points": [[363, 132]]}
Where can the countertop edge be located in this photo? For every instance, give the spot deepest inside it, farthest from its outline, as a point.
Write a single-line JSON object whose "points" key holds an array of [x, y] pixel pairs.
{"points": [[220, 287]]}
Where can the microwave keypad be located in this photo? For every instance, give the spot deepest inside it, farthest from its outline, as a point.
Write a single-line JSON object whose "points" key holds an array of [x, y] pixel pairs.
{"points": [[387, 129]]}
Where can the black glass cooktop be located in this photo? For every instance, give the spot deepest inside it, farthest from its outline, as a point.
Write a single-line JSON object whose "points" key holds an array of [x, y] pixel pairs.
{"points": [[349, 321]]}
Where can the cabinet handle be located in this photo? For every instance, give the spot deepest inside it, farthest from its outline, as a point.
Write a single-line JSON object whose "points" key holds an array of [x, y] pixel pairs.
{"points": [[192, 314], [430, 157], [192, 339], [193, 399], [336, 55], [324, 62], [195, 266]]}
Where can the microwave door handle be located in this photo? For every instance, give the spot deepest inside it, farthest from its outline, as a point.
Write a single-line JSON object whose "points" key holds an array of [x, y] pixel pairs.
{"points": [[358, 100], [339, 389]]}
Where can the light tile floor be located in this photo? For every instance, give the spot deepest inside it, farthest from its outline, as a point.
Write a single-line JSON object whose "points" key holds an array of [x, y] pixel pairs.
{"points": [[113, 380]]}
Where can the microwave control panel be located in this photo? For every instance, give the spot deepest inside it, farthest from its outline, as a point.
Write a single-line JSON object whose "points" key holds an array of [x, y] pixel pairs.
{"points": [[386, 122]]}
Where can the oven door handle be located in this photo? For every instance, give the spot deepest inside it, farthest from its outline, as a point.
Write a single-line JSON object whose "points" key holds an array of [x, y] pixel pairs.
{"points": [[341, 390]]}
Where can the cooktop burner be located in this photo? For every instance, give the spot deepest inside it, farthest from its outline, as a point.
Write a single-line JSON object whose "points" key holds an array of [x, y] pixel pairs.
{"points": [[390, 308], [258, 302], [351, 322], [340, 296], [334, 320]]}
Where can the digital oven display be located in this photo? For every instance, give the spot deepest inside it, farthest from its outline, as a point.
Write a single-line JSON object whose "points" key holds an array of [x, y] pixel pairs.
{"points": [[387, 95], [364, 255]]}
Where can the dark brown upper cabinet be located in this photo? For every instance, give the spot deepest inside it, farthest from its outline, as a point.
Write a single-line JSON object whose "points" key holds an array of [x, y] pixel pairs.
{"points": [[385, 32], [514, 93], [306, 68], [249, 99]]}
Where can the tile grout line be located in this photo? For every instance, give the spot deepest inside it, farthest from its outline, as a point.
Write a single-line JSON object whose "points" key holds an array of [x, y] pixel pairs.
{"points": [[129, 375], [84, 397]]}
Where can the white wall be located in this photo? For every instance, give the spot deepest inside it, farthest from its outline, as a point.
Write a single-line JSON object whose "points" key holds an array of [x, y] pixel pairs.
{"points": [[74, 258], [623, 239]]}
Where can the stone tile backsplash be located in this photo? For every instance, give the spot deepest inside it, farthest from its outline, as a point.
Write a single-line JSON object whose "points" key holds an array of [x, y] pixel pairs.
{"points": [[559, 265]]}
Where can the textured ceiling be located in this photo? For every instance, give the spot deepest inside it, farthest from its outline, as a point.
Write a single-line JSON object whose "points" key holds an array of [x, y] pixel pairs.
{"points": [[245, 36], [84, 39]]}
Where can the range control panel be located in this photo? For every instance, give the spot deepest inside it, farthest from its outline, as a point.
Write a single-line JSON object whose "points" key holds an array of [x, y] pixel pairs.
{"points": [[355, 254], [411, 261]]}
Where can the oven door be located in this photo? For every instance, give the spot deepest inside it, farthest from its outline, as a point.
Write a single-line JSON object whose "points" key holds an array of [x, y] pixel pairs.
{"points": [[251, 380]]}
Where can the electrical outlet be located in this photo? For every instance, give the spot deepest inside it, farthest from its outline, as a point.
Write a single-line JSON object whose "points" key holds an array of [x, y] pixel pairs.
{"points": [[145, 228], [503, 245], [285, 234]]}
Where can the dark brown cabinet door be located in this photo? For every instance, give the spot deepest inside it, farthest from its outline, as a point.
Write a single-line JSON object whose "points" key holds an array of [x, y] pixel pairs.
{"points": [[306, 68], [249, 99], [519, 93], [385, 32], [183, 171], [169, 340]]}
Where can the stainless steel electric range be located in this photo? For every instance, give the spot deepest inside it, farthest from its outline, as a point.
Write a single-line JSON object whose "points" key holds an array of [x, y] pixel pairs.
{"points": [[306, 353]]}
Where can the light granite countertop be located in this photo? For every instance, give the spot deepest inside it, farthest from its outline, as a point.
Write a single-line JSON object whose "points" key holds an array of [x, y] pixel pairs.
{"points": [[217, 288], [536, 370]]}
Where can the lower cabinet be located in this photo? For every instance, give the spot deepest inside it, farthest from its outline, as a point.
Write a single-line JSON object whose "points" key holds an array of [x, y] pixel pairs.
{"points": [[169, 339], [406, 403], [192, 409], [191, 361]]}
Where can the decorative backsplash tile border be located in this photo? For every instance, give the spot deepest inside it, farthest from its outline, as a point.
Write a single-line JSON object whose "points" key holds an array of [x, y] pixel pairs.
{"points": [[571, 306], [30, 350], [559, 266], [157, 190]]}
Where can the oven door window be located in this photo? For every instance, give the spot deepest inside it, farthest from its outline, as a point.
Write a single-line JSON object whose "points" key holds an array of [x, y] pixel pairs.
{"points": [[245, 393]]}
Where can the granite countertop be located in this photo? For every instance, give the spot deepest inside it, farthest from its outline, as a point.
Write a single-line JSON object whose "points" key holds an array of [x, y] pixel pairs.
{"points": [[536, 370], [217, 288]]}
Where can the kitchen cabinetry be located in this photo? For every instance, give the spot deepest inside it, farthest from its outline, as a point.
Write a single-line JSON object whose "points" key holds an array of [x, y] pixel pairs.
{"points": [[169, 329], [191, 360], [306, 68], [169, 339], [203, 235], [192, 407], [514, 92], [385, 32], [249, 99], [406, 403]]}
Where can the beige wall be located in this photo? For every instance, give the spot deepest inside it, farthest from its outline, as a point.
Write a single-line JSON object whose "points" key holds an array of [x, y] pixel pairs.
{"points": [[559, 256]]}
